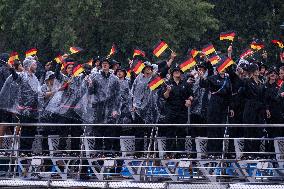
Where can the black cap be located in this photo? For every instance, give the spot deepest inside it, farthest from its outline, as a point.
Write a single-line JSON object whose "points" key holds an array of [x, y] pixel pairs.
{"points": [[252, 67], [271, 70], [4, 57]]}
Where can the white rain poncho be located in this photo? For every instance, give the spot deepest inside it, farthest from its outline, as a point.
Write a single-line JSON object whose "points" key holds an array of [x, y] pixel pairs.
{"points": [[145, 100], [105, 97]]}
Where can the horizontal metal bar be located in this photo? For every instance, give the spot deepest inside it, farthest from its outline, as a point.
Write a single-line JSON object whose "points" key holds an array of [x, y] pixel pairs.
{"points": [[146, 125]]}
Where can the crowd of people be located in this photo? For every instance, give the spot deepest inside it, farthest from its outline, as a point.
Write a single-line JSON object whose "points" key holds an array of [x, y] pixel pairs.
{"points": [[247, 92]]}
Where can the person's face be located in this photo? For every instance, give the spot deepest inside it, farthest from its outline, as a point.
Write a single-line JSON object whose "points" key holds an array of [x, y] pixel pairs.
{"points": [[120, 74], [262, 70], [281, 74], [148, 70], [201, 70], [50, 81], [105, 65], [20, 68], [48, 67], [69, 69], [33, 67], [97, 63], [256, 73], [176, 74], [273, 76]]}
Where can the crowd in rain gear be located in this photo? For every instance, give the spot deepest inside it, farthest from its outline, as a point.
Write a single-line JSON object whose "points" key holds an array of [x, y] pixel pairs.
{"points": [[103, 94]]}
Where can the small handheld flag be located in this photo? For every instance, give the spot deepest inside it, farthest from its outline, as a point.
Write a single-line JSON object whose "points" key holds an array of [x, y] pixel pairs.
{"points": [[227, 36], [138, 66], [214, 59], [159, 48], [112, 50], [248, 52], [59, 59], [208, 49], [138, 52], [31, 52], [75, 50], [13, 56], [155, 83], [194, 53], [78, 70], [189, 63], [225, 64], [256, 46], [278, 43]]}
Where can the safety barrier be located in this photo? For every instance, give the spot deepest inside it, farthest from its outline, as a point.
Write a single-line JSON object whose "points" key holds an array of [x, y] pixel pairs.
{"points": [[142, 156]]}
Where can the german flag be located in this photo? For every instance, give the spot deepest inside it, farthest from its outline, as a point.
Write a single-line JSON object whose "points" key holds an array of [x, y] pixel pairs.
{"points": [[194, 53], [214, 59], [77, 70], [112, 50], [155, 83], [128, 73], [225, 64], [278, 43], [138, 52], [159, 48], [75, 50], [227, 36], [208, 49], [90, 62], [13, 56], [31, 52], [59, 59], [256, 46], [248, 52], [187, 64], [138, 67]]}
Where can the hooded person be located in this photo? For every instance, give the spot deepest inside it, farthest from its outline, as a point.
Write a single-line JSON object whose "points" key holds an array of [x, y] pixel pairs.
{"points": [[65, 103], [125, 102], [104, 91], [200, 102], [143, 99], [4, 69], [97, 64], [28, 102]]}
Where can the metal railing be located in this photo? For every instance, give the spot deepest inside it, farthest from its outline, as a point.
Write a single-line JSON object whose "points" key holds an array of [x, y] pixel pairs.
{"points": [[153, 153]]}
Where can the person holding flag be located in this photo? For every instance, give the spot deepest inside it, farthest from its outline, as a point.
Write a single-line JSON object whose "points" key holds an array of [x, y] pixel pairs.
{"points": [[220, 102], [178, 98]]}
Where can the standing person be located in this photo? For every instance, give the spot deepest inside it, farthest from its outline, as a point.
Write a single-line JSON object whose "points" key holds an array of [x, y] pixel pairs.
{"points": [[29, 101], [125, 103], [105, 90], [97, 64], [144, 101], [272, 100], [63, 105], [178, 97], [254, 107], [219, 105], [41, 72], [4, 69]]}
